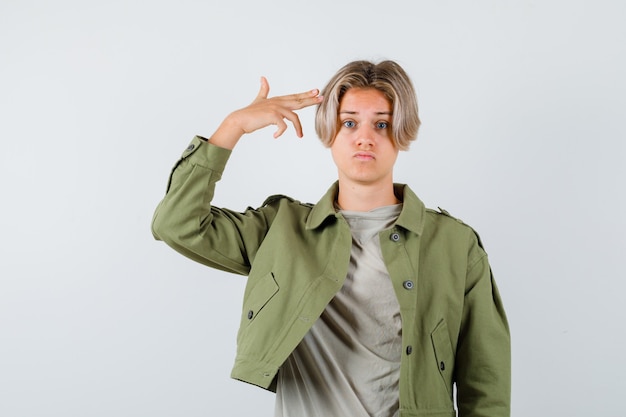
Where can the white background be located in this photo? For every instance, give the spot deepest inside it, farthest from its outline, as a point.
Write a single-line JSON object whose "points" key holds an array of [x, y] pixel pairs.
{"points": [[523, 106]]}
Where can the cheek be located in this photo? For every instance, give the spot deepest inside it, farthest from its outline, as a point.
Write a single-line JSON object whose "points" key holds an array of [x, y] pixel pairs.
{"points": [[393, 153], [338, 143], [339, 151]]}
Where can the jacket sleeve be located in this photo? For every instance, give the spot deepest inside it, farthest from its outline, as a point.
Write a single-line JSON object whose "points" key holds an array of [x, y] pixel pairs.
{"points": [[186, 220], [483, 367]]}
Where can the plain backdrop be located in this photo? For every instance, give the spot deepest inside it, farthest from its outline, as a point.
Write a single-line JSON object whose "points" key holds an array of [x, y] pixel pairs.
{"points": [[523, 106]]}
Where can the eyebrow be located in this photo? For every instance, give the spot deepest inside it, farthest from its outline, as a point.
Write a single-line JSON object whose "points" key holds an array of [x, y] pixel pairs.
{"points": [[356, 112]]}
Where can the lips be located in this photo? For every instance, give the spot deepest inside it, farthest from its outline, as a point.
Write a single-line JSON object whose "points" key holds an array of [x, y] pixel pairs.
{"points": [[364, 156]]}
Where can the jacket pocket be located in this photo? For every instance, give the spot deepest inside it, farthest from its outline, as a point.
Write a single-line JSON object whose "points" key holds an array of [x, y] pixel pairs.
{"points": [[260, 294], [444, 354]]}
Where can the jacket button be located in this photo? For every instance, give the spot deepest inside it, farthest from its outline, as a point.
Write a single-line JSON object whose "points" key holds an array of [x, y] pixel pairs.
{"points": [[408, 285], [395, 237], [190, 147], [442, 366], [250, 315], [409, 349]]}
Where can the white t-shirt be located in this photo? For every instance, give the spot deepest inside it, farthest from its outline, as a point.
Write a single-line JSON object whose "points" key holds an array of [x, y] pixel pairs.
{"points": [[348, 364]]}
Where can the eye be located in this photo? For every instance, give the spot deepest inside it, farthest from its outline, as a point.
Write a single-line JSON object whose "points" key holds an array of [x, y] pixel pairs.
{"points": [[349, 123], [382, 125]]}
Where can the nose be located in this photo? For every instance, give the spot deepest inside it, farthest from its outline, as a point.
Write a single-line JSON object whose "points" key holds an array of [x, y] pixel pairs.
{"points": [[365, 137]]}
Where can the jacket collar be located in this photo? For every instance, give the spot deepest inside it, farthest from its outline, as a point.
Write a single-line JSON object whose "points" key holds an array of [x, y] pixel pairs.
{"points": [[411, 217]]}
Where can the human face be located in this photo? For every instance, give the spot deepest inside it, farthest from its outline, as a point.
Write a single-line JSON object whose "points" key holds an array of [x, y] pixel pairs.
{"points": [[363, 148]]}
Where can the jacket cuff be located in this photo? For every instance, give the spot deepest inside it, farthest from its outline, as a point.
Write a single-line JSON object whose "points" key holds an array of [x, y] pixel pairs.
{"points": [[202, 152]]}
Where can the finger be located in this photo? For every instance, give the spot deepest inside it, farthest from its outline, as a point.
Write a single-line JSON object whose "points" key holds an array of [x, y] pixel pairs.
{"points": [[282, 127], [295, 120], [264, 90], [302, 100]]}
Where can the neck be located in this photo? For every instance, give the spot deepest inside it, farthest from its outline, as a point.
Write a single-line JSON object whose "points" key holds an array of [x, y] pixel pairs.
{"points": [[355, 197]]}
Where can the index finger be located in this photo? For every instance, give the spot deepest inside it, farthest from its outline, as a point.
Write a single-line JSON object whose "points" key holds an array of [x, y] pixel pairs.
{"points": [[301, 100]]}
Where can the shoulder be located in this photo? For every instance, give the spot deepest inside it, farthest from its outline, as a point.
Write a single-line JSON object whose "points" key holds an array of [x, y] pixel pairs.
{"points": [[443, 214], [286, 211], [443, 218], [278, 200]]}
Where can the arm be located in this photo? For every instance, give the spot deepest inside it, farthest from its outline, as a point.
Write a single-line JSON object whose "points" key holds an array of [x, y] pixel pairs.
{"points": [[483, 368], [186, 220]]}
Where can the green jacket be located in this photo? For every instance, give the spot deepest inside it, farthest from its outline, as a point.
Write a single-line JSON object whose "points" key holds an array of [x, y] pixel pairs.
{"points": [[296, 255]]}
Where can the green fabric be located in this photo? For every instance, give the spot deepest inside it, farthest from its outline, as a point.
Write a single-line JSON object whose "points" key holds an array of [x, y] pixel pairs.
{"points": [[296, 255]]}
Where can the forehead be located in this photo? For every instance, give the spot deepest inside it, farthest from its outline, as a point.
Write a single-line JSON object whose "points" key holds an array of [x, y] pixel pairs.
{"points": [[357, 100]]}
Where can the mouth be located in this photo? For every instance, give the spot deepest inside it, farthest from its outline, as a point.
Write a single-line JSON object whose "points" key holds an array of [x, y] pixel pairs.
{"points": [[364, 156]]}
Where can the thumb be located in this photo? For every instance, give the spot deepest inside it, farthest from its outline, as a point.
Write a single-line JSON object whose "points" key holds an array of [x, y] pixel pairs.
{"points": [[264, 90]]}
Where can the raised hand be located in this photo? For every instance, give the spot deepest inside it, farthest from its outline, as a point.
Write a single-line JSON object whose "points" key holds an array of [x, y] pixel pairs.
{"points": [[263, 112]]}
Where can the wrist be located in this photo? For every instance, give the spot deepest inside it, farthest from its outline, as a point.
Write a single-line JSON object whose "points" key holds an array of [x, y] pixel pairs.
{"points": [[227, 134]]}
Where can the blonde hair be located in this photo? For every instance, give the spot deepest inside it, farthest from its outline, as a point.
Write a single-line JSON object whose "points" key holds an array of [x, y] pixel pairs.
{"points": [[387, 77]]}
